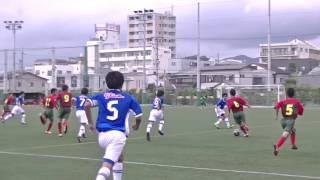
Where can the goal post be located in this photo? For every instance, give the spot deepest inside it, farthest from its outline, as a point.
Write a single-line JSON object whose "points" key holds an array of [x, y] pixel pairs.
{"points": [[256, 95]]}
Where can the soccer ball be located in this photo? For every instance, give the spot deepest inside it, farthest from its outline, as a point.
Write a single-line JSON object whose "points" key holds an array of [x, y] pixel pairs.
{"points": [[236, 132]]}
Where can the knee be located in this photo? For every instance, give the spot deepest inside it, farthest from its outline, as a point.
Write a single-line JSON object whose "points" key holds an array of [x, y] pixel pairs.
{"points": [[285, 134]]}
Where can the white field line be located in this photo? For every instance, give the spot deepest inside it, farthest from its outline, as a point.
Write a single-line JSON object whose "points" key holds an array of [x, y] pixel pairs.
{"points": [[165, 165]]}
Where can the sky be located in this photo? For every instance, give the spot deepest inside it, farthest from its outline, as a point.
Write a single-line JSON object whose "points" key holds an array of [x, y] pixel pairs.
{"points": [[228, 27]]}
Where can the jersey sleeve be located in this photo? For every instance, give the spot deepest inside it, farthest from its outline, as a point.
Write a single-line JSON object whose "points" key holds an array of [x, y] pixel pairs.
{"points": [[229, 104], [135, 107], [242, 101], [300, 108], [94, 100]]}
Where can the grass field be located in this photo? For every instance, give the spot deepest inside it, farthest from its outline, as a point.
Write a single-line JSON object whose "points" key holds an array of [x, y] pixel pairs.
{"points": [[191, 149]]}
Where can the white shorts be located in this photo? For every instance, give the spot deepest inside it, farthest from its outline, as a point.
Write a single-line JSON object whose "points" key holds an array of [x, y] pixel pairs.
{"points": [[17, 110], [82, 117], [156, 115], [113, 142], [219, 112]]}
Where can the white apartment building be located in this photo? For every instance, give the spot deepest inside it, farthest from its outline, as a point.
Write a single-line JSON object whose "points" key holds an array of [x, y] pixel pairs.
{"points": [[160, 30], [295, 49], [43, 68]]}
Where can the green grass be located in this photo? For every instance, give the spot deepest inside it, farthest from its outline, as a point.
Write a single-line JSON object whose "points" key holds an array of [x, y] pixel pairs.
{"points": [[190, 141]]}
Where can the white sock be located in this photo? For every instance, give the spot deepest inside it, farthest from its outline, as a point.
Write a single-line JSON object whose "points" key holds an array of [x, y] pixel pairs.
{"points": [[161, 123], [117, 171], [23, 118], [82, 130], [218, 122], [226, 120], [149, 126], [103, 173]]}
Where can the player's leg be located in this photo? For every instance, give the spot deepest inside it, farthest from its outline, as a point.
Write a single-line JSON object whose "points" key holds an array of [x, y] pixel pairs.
{"points": [[292, 131], [50, 117], [43, 118], [117, 169], [161, 123], [243, 124], [152, 119], [65, 120], [219, 118], [282, 139], [59, 124], [113, 142], [13, 112]]}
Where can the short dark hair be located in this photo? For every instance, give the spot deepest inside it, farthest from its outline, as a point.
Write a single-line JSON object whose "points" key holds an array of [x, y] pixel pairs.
{"points": [[53, 90], [160, 93], [114, 80], [84, 91], [65, 87], [224, 94], [290, 92], [232, 92]]}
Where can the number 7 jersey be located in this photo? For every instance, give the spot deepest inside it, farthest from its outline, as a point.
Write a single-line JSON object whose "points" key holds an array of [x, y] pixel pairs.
{"points": [[114, 107], [290, 108]]}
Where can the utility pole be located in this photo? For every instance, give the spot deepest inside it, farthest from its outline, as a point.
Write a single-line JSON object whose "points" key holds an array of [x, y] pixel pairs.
{"points": [[21, 61], [198, 54], [5, 76], [53, 67], [143, 15], [269, 45], [14, 26]]}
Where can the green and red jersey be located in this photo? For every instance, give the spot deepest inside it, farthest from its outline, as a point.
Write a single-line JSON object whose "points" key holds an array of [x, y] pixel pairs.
{"points": [[49, 102], [291, 108], [9, 100], [236, 104], [65, 99]]}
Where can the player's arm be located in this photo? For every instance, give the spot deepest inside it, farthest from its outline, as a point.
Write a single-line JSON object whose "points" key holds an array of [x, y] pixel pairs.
{"points": [[245, 103], [90, 102], [136, 108], [277, 107], [300, 108]]}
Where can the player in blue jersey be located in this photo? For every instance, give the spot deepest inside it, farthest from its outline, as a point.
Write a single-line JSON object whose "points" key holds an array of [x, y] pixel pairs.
{"points": [[79, 102], [219, 109], [156, 114], [17, 109], [114, 107]]}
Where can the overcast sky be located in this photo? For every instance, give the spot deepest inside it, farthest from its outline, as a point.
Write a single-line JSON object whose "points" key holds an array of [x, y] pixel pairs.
{"points": [[228, 27]]}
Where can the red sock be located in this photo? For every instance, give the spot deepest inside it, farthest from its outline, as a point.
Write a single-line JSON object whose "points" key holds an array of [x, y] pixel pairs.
{"points": [[59, 127], [293, 138], [243, 129], [280, 142], [49, 126]]}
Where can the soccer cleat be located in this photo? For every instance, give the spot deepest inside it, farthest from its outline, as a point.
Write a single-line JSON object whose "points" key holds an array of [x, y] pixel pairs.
{"points": [[217, 126], [60, 135], [79, 139], [23, 123], [246, 135], [42, 120], [275, 150], [160, 132], [48, 132], [148, 137], [294, 147]]}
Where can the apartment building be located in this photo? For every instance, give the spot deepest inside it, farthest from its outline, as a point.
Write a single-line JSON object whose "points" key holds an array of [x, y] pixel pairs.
{"points": [[295, 49], [160, 30]]}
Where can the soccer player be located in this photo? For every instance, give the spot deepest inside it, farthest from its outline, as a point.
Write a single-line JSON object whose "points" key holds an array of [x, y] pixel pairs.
{"points": [[235, 104], [203, 101], [156, 114], [8, 103], [49, 104], [114, 107], [80, 113], [219, 109], [17, 109], [64, 98], [291, 108]]}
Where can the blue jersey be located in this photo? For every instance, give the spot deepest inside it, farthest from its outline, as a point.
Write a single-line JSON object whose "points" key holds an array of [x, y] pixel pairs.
{"points": [[19, 100], [157, 103], [114, 107], [80, 101], [221, 103]]}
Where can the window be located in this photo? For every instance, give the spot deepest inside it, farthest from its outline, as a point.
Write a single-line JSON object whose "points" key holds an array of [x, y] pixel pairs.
{"points": [[242, 76], [31, 84], [173, 63], [257, 81], [74, 80], [37, 72], [69, 72], [231, 78], [59, 72], [49, 73], [19, 84], [60, 81]]}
